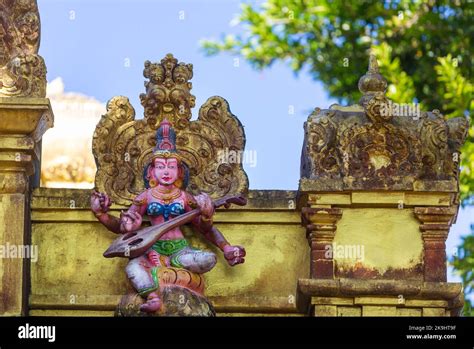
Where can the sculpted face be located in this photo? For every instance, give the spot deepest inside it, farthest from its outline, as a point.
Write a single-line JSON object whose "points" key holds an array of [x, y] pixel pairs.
{"points": [[166, 171]]}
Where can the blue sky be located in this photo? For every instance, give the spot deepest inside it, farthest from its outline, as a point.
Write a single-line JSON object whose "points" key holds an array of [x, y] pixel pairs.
{"points": [[98, 48]]}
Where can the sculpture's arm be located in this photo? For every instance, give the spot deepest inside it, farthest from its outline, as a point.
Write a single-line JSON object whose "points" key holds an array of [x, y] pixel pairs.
{"points": [[112, 223], [131, 220], [233, 254], [128, 221], [205, 204], [100, 204], [204, 224], [214, 236]]}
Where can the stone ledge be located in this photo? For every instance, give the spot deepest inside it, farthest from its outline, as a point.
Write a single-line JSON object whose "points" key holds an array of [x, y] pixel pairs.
{"points": [[408, 183], [420, 294], [23, 115], [258, 200], [223, 304], [381, 199], [378, 310]]}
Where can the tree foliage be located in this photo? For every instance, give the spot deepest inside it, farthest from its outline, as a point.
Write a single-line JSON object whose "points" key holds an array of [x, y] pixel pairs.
{"points": [[463, 262]]}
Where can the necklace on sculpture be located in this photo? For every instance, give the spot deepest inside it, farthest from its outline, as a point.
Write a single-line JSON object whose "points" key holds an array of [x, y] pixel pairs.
{"points": [[166, 195]]}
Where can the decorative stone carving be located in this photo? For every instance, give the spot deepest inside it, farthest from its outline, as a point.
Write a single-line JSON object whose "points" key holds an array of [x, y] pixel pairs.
{"points": [[371, 146], [122, 146], [159, 170], [22, 70]]}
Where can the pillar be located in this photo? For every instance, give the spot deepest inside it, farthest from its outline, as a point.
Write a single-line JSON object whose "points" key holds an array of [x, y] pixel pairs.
{"points": [[436, 222], [22, 124]]}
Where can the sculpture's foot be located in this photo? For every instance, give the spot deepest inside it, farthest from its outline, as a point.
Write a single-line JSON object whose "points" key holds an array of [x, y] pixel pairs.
{"points": [[176, 301], [181, 294], [153, 304]]}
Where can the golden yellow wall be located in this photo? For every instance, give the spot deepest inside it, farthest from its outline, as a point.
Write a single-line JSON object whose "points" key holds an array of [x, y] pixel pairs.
{"points": [[384, 224], [72, 278], [389, 238]]}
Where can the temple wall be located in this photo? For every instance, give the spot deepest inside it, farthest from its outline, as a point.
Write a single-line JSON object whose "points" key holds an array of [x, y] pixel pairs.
{"points": [[71, 277], [370, 243]]}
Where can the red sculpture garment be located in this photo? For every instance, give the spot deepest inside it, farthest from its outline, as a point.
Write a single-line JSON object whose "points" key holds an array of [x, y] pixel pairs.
{"points": [[163, 200]]}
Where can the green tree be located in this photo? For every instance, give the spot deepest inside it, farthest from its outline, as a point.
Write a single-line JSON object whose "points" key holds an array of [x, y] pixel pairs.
{"points": [[424, 49], [463, 262]]}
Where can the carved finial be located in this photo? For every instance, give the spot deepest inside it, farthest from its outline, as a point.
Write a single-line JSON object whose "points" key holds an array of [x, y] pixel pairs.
{"points": [[372, 82], [388, 146], [373, 65], [22, 70], [168, 92]]}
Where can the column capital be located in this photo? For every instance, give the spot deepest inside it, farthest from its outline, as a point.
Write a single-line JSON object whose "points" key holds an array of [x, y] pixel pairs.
{"points": [[321, 228], [434, 227], [435, 217], [320, 215], [23, 122]]}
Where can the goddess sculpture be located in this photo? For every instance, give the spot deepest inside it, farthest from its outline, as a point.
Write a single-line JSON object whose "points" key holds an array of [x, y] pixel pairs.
{"points": [[163, 200]]}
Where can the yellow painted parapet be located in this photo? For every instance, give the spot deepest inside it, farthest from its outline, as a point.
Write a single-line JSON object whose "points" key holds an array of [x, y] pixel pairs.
{"points": [[378, 194], [71, 277], [369, 242]]}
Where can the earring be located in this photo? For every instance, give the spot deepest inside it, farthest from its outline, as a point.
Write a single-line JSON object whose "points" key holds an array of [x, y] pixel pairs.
{"points": [[152, 183], [178, 183]]}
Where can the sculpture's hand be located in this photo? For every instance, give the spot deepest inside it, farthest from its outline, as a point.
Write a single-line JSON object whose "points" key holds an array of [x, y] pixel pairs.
{"points": [[234, 254], [100, 202], [206, 205], [130, 221], [154, 258]]}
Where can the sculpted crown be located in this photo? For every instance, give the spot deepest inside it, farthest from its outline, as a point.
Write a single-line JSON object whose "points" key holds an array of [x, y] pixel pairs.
{"points": [[168, 93]]}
